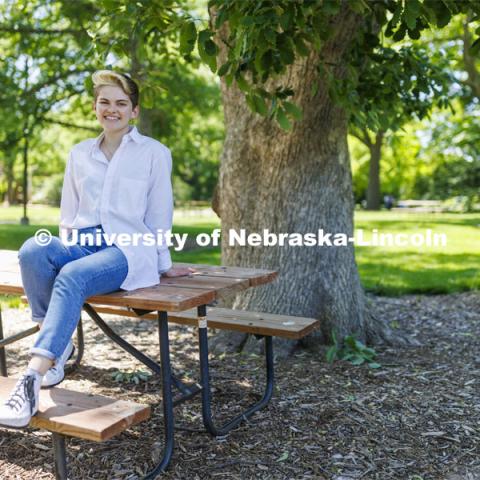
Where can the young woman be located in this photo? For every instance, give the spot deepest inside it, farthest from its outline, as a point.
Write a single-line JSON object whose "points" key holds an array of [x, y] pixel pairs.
{"points": [[118, 183]]}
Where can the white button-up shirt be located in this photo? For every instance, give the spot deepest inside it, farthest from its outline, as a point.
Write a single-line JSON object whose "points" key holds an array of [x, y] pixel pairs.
{"points": [[131, 193]]}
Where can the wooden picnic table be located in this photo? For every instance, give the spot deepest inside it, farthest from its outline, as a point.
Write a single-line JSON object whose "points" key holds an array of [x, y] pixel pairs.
{"points": [[211, 283]]}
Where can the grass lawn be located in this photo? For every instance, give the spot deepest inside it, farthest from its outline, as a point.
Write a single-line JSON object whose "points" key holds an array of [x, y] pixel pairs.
{"points": [[384, 270], [399, 270]]}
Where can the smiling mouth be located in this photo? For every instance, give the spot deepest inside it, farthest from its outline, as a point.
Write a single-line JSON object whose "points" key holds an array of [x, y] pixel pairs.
{"points": [[111, 118]]}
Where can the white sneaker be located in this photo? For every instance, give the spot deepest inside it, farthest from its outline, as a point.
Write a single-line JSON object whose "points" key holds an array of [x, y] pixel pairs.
{"points": [[56, 374], [22, 404]]}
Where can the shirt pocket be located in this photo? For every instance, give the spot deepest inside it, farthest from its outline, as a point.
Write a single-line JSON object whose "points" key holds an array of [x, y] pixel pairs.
{"points": [[132, 196]]}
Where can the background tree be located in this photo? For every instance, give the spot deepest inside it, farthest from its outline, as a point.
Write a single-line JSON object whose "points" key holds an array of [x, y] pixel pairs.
{"points": [[401, 85], [38, 73], [295, 178], [180, 104]]}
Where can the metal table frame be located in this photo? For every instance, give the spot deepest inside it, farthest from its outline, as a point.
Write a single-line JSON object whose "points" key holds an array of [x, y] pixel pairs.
{"points": [[169, 381]]}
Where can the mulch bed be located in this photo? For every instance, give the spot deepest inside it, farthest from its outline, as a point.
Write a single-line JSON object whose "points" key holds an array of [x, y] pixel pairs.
{"points": [[417, 417]]}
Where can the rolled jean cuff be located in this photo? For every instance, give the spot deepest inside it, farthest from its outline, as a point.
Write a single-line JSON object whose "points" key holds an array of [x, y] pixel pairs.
{"points": [[37, 319], [42, 353]]}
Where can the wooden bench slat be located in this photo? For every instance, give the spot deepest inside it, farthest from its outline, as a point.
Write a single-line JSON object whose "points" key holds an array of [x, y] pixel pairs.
{"points": [[81, 415], [238, 320]]}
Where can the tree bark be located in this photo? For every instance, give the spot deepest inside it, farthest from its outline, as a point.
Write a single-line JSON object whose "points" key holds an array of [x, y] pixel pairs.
{"points": [[299, 182], [469, 60], [373, 190]]}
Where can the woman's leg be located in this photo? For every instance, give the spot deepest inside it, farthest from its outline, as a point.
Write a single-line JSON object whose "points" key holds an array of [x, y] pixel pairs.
{"points": [[100, 272], [97, 273], [39, 266]]}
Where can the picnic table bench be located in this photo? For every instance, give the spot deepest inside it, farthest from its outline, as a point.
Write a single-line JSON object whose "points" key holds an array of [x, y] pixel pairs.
{"points": [[181, 300]]}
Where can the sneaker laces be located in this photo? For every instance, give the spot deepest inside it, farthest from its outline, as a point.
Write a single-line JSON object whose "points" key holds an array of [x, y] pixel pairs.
{"points": [[24, 390]]}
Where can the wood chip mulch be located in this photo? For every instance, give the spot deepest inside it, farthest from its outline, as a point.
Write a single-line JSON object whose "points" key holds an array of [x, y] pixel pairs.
{"points": [[417, 417]]}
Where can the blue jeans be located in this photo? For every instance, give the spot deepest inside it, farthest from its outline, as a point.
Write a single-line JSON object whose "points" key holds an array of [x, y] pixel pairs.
{"points": [[57, 280]]}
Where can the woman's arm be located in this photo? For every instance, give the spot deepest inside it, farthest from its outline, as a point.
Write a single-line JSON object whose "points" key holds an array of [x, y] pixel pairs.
{"points": [[159, 213], [69, 201]]}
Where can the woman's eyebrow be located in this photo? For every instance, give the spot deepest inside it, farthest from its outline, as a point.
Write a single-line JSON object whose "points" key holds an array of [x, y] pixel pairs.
{"points": [[101, 99]]}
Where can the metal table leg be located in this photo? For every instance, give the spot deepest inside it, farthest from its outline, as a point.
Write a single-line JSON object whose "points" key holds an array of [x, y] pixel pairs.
{"points": [[167, 397], [3, 358], [187, 391], [60, 456], [205, 381], [80, 349], [168, 380]]}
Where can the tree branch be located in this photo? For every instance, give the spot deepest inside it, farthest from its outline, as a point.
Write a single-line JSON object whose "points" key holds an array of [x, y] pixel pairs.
{"points": [[69, 125], [362, 135], [56, 78], [38, 31]]}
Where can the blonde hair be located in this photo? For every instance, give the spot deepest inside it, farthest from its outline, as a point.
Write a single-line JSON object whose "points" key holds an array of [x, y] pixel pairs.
{"points": [[102, 78]]}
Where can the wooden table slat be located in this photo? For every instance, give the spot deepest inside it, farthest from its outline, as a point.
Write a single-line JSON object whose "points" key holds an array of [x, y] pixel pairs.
{"points": [[208, 284], [254, 275], [158, 298]]}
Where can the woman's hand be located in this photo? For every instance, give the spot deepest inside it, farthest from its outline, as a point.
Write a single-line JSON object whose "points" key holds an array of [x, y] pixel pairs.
{"points": [[179, 272]]}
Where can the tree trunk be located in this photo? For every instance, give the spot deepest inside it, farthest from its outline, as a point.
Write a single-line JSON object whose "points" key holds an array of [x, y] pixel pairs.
{"points": [[299, 182], [469, 60], [373, 190], [10, 197]]}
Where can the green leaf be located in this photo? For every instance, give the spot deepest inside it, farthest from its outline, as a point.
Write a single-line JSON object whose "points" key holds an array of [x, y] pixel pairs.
{"points": [[350, 341], [400, 33], [411, 13], [414, 34], [211, 48], [250, 102], [242, 83], [300, 46], [224, 69], [282, 457], [283, 120], [221, 18], [442, 12], [188, 37], [286, 49], [285, 20], [475, 48], [358, 6], [374, 365], [207, 49], [396, 15], [270, 36], [331, 7], [293, 110], [331, 354], [357, 360], [260, 105]]}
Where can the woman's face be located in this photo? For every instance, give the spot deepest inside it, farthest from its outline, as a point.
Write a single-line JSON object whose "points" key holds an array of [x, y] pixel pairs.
{"points": [[113, 108]]}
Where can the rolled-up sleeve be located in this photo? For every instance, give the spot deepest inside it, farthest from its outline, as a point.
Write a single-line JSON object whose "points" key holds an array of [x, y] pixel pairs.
{"points": [[70, 199], [159, 212]]}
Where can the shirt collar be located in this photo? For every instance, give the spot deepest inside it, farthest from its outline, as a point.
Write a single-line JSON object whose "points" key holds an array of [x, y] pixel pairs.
{"points": [[132, 134], [135, 135]]}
